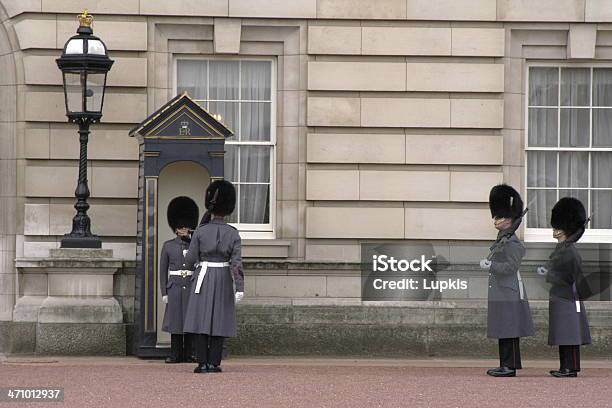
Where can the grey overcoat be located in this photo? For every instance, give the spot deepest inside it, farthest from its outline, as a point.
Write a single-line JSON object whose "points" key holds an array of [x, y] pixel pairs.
{"points": [[212, 311], [568, 323], [508, 313], [177, 288]]}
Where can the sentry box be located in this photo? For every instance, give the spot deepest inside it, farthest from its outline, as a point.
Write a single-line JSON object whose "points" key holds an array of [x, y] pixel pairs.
{"points": [[181, 150]]}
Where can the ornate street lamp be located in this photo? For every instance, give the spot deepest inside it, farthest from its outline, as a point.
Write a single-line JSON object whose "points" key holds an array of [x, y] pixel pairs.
{"points": [[84, 64]]}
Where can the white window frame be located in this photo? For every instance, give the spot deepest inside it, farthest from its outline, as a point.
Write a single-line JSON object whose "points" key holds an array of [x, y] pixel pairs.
{"points": [[545, 234], [249, 231]]}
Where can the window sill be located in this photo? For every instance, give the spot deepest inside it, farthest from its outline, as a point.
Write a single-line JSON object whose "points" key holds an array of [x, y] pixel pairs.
{"points": [[256, 235], [590, 236], [265, 248]]}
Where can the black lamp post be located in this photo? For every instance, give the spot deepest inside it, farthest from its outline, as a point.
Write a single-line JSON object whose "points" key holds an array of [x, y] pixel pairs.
{"points": [[84, 64]]}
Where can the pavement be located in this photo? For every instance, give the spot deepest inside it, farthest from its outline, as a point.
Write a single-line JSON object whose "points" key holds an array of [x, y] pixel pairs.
{"points": [[305, 382]]}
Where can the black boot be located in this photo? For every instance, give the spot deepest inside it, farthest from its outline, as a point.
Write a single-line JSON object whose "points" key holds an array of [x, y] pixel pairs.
{"points": [[176, 345], [502, 372], [201, 368], [563, 373], [188, 355], [201, 343], [215, 353]]}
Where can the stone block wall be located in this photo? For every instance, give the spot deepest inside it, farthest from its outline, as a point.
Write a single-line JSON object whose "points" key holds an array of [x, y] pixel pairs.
{"points": [[393, 119]]}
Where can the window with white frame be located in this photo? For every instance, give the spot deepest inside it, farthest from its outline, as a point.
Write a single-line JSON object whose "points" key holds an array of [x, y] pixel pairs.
{"points": [[242, 92], [569, 144]]}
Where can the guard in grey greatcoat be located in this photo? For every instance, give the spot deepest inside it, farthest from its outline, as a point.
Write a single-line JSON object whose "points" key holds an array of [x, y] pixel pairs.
{"points": [[216, 247], [568, 324], [175, 278], [508, 314]]}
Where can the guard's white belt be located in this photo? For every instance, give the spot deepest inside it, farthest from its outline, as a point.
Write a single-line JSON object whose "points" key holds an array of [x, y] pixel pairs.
{"points": [[520, 285], [182, 272], [205, 266]]}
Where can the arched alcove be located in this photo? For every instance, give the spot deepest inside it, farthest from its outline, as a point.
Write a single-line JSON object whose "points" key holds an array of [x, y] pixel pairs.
{"points": [[177, 179]]}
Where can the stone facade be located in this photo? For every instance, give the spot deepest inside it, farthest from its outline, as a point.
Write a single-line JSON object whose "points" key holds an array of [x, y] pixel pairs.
{"points": [[393, 119]]}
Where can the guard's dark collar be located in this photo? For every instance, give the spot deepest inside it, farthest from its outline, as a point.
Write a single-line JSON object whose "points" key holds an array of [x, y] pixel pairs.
{"points": [[565, 243], [508, 232]]}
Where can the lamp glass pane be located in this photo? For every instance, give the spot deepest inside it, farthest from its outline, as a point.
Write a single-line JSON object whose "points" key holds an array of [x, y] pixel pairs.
{"points": [[95, 47], [74, 91], [74, 46], [95, 91]]}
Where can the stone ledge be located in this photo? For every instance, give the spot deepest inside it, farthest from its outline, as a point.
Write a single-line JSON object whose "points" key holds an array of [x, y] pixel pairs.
{"points": [[383, 314], [81, 253], [26, 308], [81, 339], [421, 329], [282, 327], [69, 310], [265, 248], [273, 264], [75, 265], [406, 304], [17, 337]]}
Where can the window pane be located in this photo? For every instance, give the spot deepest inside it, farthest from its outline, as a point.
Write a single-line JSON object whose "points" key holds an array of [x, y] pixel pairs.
{"points": [[191, 78], [575, 86], [255, 164], [574, 128], [601, 168], [229, 115], [540, 205], [255, 77], [601, 208], [543, 86], [255, 121], [573, 169], [224, 76], [219, 85], [602, 87], [542, 169], [230, 162], [602, 127], [543, 127], [254, 199]]}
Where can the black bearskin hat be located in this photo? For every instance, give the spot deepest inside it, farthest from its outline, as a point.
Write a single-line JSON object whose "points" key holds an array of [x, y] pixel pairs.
{"points": [[505, 202], [220, 197], [568, 215], [182, 212]]}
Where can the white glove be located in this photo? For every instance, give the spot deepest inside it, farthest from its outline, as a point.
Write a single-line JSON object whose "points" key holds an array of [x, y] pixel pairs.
{"points": [[165, 299], [485, 264], [542, 270], [239, 296]]}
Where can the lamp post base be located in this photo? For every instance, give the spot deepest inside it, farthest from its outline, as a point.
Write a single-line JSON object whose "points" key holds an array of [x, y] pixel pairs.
{"points": [[92, 241]]}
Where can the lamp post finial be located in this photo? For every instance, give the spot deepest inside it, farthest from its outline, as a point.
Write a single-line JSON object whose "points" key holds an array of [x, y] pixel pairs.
{"points": [[85, 19]]}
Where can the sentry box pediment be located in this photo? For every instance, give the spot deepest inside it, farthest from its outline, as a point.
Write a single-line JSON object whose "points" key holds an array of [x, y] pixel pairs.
{"points": [[179, 119], [182, 130], [182, 148]]}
